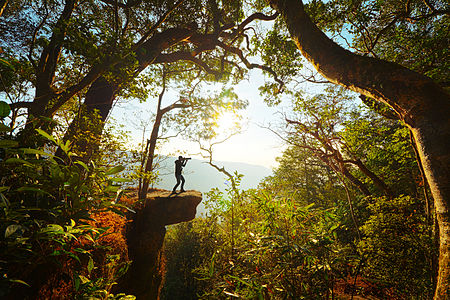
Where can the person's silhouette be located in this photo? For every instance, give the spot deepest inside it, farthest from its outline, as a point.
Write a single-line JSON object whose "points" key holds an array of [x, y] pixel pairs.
{"points": [[179, 164]]}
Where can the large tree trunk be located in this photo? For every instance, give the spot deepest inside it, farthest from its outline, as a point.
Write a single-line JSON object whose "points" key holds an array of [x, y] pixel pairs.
{"points": [[89, 122], [101, 94], [45, 73], [421, 103]]}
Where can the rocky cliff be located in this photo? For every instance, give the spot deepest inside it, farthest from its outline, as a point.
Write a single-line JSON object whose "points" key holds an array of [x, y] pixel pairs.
{"points": [[145, 236]]}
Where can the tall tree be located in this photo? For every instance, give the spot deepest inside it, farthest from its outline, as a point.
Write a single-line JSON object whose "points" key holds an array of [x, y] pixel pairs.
{"points": [[100, 47], [419, 101], [189, 111], [318, 128]]}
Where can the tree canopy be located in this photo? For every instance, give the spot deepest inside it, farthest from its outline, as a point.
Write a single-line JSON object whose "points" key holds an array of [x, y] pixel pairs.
{"points": [[351, 188]]}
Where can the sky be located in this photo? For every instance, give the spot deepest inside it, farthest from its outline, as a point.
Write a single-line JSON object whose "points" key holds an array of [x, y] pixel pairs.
{"points": [[254, 145]]}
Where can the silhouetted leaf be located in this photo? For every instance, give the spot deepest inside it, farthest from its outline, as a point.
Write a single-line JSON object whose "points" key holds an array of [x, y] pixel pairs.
{"points": [[4, 109], [8, 143], [11, 229]]}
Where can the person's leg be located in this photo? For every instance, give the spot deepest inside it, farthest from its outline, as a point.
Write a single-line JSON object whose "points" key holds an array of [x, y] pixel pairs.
{"points": [[182, 183], [176, 185]]}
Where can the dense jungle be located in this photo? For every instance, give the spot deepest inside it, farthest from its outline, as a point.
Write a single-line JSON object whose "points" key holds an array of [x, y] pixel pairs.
{"points": [[357, 205]]}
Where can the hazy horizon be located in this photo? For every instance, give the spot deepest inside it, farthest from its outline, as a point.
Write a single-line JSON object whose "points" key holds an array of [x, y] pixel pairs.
{"points": [[201, 176]]}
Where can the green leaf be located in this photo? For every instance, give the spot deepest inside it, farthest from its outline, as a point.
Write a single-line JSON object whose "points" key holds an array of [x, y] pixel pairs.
{"points": [[3, 188], [5, 202], [19, 281], [11, 229], [112, 188], [211, 265], [90, 265], [46, 135], [82, 251], [84, 279], [65, 147], [4, 109], [53, 228], [18, 160], [74, 256], [120, 179], [32, 189], [36, 151], [76, 282], [117, 211], [115, 170], [87, 236], [8, 143], [82, 164]]}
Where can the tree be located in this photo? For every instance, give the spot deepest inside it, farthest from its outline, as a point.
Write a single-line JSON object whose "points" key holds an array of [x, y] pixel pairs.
{"points": [[100, 47], [192, 110], [317, 128], [398, 246], [419, 101], [304, 177]]}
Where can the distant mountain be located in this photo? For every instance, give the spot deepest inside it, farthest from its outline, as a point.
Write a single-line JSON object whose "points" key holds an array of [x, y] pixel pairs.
{"points": [[201, 176]]}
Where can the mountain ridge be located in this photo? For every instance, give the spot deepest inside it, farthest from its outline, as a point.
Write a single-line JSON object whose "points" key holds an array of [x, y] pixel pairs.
{"points": [[201, 176]]}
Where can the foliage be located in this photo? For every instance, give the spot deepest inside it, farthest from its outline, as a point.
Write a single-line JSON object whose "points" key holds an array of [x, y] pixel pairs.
{"points": [[398, 246], [45, 208], [372, 152], [385, 147], [307, 232], [64, 46], [279, 249], [305, 178], [186, 245], [410, 33]]}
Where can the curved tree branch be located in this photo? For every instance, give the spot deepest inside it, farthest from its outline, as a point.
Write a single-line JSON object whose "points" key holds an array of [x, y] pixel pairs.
{"points": [[250, 65], [184, 55], [419, 101], [157, 24]]}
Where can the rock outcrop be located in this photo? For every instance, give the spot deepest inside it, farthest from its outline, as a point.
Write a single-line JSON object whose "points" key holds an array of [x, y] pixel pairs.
{"points": [[145, 236]]}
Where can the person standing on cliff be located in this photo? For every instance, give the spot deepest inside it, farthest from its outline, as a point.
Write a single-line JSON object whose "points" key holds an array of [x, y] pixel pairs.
{"points": [[179, 164]]}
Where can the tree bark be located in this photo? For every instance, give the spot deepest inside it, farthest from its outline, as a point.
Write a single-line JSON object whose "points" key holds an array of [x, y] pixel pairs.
{"points": [[48, 61], [91, 118], [101, 94], [344, 171], [151, 143], [149, 155], [375, 179], [421, 103]]}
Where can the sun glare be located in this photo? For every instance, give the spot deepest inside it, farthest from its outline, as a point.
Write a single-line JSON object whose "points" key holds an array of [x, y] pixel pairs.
{"points": [[227, 121]]}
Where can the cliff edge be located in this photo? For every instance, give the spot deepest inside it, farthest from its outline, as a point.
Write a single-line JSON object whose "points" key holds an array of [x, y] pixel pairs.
{"points": [[145, 237]]}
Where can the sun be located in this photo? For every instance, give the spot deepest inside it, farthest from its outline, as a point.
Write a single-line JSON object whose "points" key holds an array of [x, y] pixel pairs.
{"points": [[227, 121]]}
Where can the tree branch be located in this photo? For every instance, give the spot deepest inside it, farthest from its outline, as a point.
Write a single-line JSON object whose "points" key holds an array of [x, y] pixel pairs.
{"points": [[249, 65], [184, 55], [33, 38], [157, 24]]}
